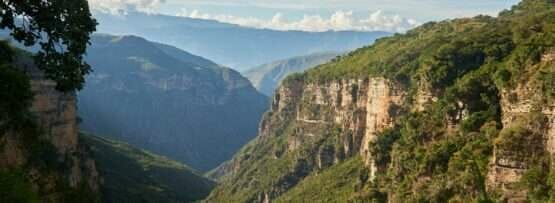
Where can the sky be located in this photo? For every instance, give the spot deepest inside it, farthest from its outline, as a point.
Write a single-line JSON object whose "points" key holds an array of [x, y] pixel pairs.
{"points": [[314, 15]]}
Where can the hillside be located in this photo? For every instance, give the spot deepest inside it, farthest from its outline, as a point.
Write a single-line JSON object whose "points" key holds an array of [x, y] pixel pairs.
{"points": [[267, 77], [454, 111], [168, 101], [133, 175], [234, 46]]}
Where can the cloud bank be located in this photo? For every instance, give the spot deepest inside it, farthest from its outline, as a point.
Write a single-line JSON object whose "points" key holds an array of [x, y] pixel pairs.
{"points": [[339, 21], [117, 6]]}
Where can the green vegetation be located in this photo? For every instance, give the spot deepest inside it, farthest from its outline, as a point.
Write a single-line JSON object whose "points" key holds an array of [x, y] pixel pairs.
{"points": [[440, 154], [441, 52], [62, 30], [15, 188], [344, 182], [15, 92], [134, 175]]}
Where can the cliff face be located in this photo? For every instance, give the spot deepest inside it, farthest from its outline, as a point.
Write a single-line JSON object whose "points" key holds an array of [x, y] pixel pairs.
{"points": [[360, 108], [508, 165], [330, 122], [52, 159], [456, 111], [338, 120]]}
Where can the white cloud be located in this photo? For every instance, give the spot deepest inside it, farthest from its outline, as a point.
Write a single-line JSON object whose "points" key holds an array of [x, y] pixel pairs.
{"points": [[339, 21], [116, 6]]}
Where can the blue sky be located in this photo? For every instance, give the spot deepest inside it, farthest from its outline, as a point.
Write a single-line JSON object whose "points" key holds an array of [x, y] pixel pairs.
{"points": [[316, 15]]}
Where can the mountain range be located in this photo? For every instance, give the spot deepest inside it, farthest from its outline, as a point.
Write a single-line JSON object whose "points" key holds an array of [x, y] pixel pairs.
{"points": [[267, 77], [228, 44], [168, 101]]}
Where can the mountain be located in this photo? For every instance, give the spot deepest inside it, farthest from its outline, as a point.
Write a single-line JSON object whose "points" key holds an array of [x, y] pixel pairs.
{"points": [[455, 111], [133, 175], [168, 101], [267, 77], [232, 45]]}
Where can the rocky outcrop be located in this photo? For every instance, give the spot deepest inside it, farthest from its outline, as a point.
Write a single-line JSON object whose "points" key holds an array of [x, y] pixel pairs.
{"points": [[55, 114], [360, 108], [330, 121], [549, 56], [508, 166]]}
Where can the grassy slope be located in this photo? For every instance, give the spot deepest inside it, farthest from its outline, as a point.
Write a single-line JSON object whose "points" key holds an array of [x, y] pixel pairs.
{"points": [[134, 175], [340, 183]]}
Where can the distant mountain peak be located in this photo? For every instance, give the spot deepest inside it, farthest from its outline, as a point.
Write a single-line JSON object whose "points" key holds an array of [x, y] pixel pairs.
{"points": [[267, 77]]}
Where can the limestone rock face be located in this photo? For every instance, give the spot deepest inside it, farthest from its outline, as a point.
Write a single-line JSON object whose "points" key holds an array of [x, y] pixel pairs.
{"points": [[332, 121], [56, 116], [549, 56], [362, 107], [507, 167]]}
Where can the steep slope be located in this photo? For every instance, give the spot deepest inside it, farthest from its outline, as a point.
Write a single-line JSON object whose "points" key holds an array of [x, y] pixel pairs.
{"points": [[168, 101], [41, 158], [460, 110], [234, 46], [267, 77], [133, 175]]}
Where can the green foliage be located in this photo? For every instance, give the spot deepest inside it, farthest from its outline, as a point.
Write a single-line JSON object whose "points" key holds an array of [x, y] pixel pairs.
{"points": [[546, 79], [343, 182], [381, 148], [535, 181], [134, 175], [14, 188], [61, 28], [15, 92]]}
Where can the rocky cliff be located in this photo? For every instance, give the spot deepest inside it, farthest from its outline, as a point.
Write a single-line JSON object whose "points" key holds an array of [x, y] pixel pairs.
{"points": [[49, 155], [523, 107], [457, 111]]}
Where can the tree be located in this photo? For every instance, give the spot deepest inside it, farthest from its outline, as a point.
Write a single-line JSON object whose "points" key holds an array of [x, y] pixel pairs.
{"points": [[61, 28]]}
